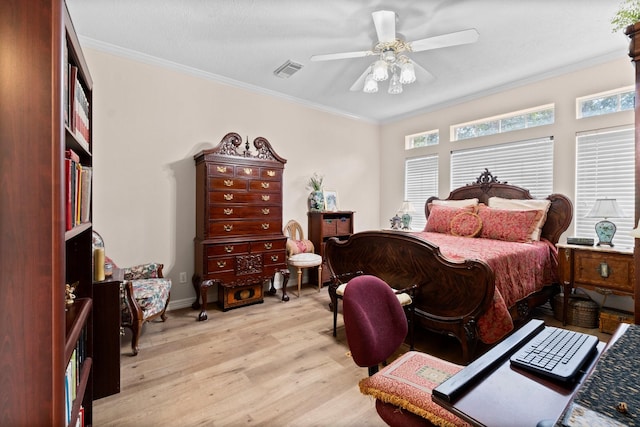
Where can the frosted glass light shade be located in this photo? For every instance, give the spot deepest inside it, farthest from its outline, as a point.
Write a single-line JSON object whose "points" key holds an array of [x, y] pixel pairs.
{"points": [[380, 72], [370, 85], [407, 73]]}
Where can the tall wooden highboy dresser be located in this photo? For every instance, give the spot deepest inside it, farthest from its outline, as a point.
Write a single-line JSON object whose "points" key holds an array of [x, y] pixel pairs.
{"points": [[239, 242]]}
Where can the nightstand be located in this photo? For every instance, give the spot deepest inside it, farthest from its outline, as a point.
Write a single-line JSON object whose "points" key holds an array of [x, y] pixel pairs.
{"points": [[602, 269]]}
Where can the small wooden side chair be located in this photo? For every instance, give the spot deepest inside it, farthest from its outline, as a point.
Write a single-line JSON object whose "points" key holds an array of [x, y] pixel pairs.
{"points": [[300, 252]]}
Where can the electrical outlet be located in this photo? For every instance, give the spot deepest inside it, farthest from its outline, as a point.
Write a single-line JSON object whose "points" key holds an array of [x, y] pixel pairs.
{"points": [[183, 277]]}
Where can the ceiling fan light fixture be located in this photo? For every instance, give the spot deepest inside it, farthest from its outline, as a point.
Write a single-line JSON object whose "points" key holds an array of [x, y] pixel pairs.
{"points": [[389, 56], [380, 72], [395, 87], [407, 73], [370, 85]]}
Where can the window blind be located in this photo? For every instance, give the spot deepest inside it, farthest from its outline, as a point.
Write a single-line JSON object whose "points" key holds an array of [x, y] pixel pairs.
{"points": [[421, 182], [605, 169], [527, 164]]}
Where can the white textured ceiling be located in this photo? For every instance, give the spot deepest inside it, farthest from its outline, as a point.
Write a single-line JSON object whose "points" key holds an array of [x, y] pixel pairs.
{"points": [[242, 42]]}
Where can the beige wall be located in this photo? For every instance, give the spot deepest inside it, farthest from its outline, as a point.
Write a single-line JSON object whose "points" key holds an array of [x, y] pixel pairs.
{"points": [[150, 120], [561, 91]]}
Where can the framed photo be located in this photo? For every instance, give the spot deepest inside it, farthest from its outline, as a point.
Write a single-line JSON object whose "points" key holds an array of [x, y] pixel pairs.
{"points": [[331, 200]]}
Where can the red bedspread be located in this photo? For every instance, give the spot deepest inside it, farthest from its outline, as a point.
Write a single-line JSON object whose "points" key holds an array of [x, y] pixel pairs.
{"points": [[520, 269]]}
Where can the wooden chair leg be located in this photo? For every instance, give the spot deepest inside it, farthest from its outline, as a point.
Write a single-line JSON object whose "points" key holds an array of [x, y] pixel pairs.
{"points": [[136, 330], [299, 280], [319, 277]]}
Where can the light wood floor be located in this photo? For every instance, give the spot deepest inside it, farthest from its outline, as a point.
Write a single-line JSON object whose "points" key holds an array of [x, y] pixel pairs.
{"points": [[270, 364]]}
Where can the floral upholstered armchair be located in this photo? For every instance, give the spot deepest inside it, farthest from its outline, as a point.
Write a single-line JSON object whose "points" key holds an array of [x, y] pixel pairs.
{"points": [[147, 296]]}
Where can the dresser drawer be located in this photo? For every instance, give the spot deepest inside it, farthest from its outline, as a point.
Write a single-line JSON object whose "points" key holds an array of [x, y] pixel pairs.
{"points": [[222, 212], [224, 184], [265, 186], [612, 271], [268, 245], [226, 197], [245, 227], [217, 169], [226, 249], [271, 174], [220, 265]]}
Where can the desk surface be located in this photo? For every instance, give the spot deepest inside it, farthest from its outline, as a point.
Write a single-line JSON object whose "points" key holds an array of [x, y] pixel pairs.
{"points": [[508, 394]]}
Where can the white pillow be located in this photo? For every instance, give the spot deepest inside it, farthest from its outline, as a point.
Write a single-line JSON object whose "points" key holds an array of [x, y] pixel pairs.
{"points": [[524, 204], [456, 203]]}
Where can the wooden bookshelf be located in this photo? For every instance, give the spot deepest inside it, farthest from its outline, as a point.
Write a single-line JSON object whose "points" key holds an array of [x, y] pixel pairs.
{"points": [[40, 254]]}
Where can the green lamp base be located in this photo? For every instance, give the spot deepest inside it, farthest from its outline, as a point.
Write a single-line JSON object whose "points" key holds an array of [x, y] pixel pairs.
{"points": [[605, 231]]}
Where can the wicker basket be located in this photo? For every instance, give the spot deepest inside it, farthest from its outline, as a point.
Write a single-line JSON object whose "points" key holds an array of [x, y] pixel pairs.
{"points": [[610, 319], [583, 312]]}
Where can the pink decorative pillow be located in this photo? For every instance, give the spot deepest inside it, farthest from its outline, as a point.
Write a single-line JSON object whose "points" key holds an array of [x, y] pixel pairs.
{"points": [[299, 247], [466, 224], [508, 225], [440, 217]]}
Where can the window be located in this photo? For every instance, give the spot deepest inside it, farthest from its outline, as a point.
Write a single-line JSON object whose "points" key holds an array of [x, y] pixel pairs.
{"points": [[605, 169], [421, 182], [538, 116], [605, 103], [527, 164], [423, 139]]}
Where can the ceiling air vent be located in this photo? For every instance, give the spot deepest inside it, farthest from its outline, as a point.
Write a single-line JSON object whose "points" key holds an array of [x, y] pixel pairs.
{"points": [[288, 69]]}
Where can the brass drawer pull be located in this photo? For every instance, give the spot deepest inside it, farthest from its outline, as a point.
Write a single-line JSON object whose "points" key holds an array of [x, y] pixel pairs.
{"points": [[274, 258], [604, 270], [264, 185], [248, 171], [228, 249], [271, 173], [228, 211], [222, 264], [228, 196], [221, 169], [228, 227], [265, 197], [268, 245], [265, 226], [228, 182], [265, 211]]}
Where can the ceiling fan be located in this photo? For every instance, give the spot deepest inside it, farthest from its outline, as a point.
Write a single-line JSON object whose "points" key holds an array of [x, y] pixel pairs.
{"points": [[392, 51]]}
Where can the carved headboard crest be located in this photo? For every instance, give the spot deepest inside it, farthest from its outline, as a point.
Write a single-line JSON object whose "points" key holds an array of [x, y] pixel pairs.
{"points": [[486, 178]]}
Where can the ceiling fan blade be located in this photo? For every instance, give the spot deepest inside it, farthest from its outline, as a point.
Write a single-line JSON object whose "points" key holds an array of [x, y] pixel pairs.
{"points": [[445, 40], [385, 22], [422, 75], [359, 84], [343, 55]]}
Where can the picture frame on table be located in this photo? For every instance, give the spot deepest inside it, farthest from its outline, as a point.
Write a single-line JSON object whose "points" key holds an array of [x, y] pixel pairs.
{"points": [[331, 200]]}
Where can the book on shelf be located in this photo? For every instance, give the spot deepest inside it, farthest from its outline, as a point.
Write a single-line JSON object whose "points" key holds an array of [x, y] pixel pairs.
{"points": [[78, 191], [78, 106]]}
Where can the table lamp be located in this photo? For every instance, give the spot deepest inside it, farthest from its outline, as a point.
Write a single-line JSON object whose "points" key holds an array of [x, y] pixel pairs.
{"points": [[605, 229], [406, 209]]}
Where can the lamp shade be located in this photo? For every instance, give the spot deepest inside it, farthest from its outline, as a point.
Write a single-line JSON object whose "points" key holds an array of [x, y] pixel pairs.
{"points": [[605, 208], [636, 231], [407, 207]]}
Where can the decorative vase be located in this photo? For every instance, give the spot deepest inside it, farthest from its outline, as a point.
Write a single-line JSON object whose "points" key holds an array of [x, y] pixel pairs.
{"points": [[316, 201]]}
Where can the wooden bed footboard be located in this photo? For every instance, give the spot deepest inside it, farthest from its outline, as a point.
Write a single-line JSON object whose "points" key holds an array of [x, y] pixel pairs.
{"points": [[451, 295]]}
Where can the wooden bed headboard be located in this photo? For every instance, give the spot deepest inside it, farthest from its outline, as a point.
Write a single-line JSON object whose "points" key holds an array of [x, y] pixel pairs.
{"points": [[487, 185]]}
